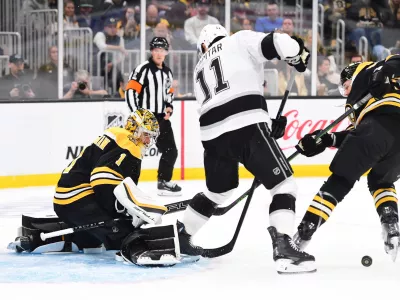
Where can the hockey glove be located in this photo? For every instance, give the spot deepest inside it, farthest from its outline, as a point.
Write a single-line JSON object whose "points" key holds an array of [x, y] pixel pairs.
{"points": [[309, 147], [379, 84], [299, 62], [278, 127]]}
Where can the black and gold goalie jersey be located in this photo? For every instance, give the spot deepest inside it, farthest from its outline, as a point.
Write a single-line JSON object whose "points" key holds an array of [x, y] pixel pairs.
{"points": [[100, 167], [389, 104]]}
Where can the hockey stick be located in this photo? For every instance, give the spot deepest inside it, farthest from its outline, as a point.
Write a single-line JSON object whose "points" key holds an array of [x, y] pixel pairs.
{"points": [[172, 208], [45, 236], [227, 248], [338, 120], [181, 205]]}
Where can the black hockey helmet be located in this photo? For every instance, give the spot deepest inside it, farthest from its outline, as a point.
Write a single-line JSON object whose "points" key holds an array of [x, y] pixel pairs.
{"points": [[159, 42], [348, 72]]}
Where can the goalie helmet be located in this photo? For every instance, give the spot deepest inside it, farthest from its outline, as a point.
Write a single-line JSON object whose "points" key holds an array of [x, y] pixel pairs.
{"points": [[209, 33], [144, 126]]}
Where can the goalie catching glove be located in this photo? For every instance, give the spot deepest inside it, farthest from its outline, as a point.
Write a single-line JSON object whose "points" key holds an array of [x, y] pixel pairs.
{"points": [[309, 146]]}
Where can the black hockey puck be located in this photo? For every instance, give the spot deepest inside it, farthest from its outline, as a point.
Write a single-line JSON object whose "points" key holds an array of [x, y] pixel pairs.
{"points": [[366, 261]]}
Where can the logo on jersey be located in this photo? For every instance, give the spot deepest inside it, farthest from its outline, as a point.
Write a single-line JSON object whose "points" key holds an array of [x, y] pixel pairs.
{"points": [[352, 116], [114, 120], [276, 171], [168, 83]]}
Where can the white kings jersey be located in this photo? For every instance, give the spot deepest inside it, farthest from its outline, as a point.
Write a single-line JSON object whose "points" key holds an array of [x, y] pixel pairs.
{"points": [[228, 82]]}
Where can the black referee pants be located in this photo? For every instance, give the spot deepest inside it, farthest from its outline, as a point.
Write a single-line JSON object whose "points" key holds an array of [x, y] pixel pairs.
{"points": [[166, 145]]}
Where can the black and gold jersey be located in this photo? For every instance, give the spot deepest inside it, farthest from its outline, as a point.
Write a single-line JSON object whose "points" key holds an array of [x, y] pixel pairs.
{"points": [[389, 104], [105, 163]]}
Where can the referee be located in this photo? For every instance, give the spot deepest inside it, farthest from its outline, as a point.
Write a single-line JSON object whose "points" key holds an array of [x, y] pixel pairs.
{"points": [[150, 87]]}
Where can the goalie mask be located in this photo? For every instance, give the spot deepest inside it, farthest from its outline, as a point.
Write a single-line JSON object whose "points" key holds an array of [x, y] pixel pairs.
{"points": [[208, 35], [144, 126], [346, 78]]}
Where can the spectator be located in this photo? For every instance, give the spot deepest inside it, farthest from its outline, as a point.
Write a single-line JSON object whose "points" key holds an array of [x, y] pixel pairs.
{"points": [[70, 20], [80, 88], [271, 22], [162, 8], [308, 43], [152, 18], [178, 14], [288, 26], [194, 25], [247, 25], [239, 14], [109, 40], [217, 10], [17, 84], [365, 20], [86, 19], [129, 28], [113, 9], [299, 86], [47, 77], [325, 86], [356, 58]]}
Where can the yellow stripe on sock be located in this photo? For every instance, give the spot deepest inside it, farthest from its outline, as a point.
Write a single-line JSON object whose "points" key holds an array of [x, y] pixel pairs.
{"points": [[385, 199], [377, 192], [318, 213], [327, 203]]}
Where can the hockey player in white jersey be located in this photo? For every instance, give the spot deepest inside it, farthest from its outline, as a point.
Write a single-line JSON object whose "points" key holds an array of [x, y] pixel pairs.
{"points": [[236, 128]]}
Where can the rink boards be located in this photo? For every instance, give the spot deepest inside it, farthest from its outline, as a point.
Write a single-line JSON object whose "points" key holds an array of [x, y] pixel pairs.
{"points": [[38, 140]]}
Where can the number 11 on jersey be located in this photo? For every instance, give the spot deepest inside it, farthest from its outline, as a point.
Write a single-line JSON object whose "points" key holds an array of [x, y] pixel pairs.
{"points": [[221, 86]]}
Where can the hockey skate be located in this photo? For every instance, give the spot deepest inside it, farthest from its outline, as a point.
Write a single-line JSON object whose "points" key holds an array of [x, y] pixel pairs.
{"points": [[167, 188], [390, 231], [189, 252], [303, 236], [288, 257]]}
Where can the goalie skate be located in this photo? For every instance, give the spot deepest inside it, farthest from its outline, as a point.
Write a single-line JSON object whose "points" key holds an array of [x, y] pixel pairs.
{"points": [[288, 257]]}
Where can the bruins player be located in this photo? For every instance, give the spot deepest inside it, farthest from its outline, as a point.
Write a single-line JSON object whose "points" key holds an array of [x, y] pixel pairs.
{"points": [[85, 191], [372, 143]]}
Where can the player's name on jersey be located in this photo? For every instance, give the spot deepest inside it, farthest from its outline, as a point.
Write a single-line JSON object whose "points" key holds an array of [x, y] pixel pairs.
{"points": [[213, 50]]}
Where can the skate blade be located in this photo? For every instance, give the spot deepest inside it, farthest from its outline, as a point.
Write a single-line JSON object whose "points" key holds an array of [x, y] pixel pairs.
{"points": [[165, 260], [168, 193], [16, 246], [286, 266], [394, 241], [190, 258]]}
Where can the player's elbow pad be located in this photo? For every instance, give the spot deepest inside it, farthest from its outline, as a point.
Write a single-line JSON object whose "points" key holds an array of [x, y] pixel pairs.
{"points": [[279, 45]]}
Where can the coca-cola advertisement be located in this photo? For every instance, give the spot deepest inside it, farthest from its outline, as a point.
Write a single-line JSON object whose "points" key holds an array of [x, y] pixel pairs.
{"points": [[306, 116]]}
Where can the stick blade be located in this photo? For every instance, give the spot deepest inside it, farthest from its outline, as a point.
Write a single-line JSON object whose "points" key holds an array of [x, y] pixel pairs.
{"points": [[217, 252]]}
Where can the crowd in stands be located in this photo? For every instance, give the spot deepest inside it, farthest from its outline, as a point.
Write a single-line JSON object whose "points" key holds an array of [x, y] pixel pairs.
{"points": [[115, 25]]}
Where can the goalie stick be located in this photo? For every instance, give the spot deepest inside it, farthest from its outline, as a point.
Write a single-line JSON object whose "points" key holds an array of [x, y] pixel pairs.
{"points": [[215, 252]]}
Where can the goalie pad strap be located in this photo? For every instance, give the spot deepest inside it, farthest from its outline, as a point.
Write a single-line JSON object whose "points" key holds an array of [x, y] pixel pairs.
{"points": [[158, 245]]}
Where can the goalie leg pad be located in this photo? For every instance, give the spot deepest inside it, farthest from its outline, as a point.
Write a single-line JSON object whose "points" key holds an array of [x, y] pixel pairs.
{"points": [[138, 204], [152, 246]]}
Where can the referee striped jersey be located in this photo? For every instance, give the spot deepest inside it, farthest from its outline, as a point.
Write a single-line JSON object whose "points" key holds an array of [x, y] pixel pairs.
{"points": [[150, 87]]}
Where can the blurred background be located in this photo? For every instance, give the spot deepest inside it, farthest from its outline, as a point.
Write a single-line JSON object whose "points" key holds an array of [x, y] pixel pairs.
{"points": [[104, 40]]}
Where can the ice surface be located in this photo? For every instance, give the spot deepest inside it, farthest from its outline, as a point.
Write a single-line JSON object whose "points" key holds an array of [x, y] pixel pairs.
{"points": [[352, 232]]}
